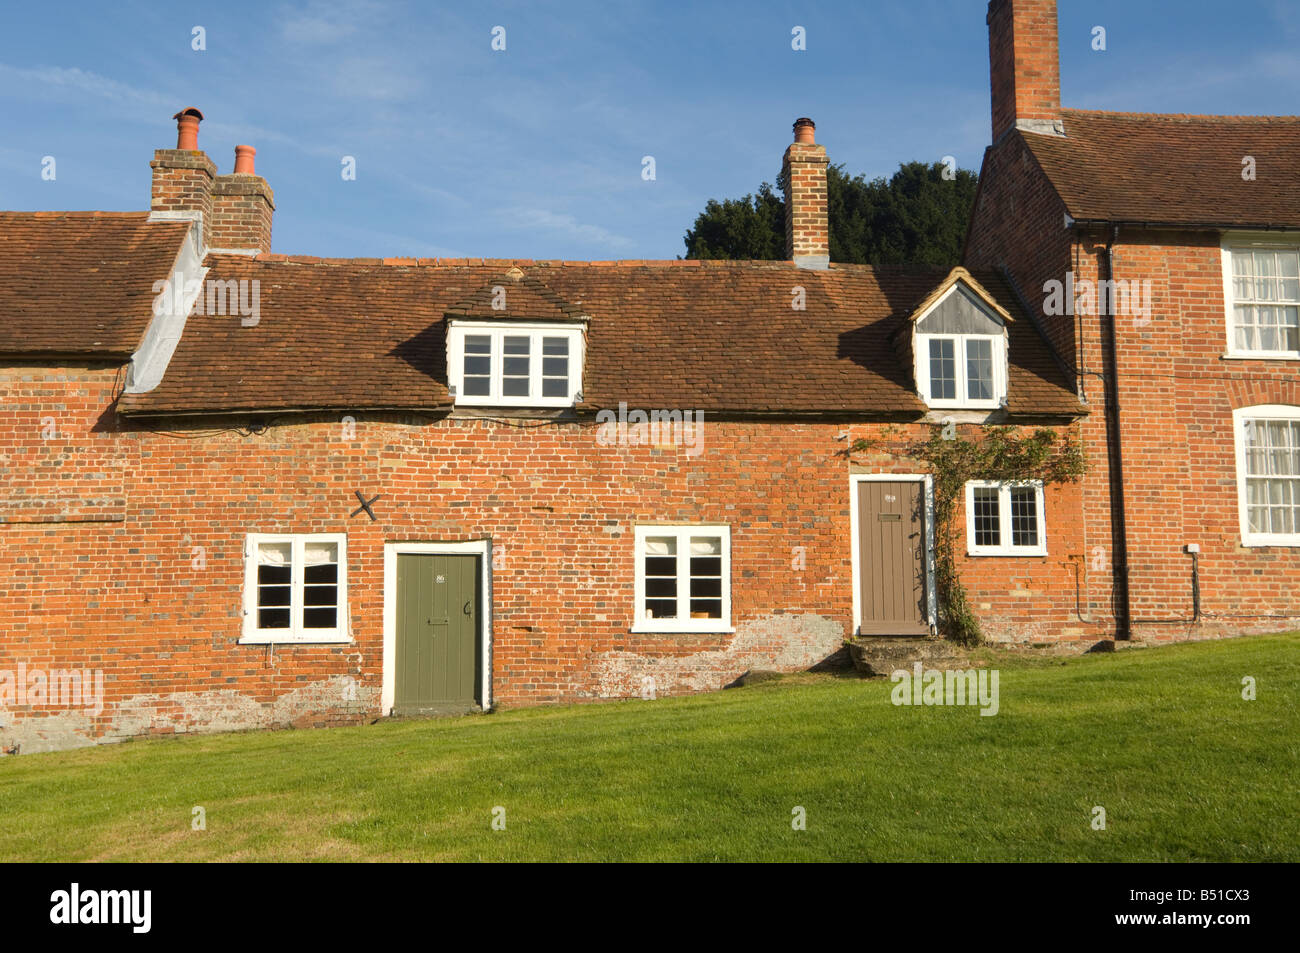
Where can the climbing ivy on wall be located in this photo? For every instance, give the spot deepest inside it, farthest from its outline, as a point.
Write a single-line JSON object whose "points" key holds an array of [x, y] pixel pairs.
{"points": [[993, 453]]}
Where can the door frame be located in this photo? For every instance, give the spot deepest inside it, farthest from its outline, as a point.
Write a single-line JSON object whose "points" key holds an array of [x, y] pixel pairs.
{"points": [[928, 493], [478, 547]]}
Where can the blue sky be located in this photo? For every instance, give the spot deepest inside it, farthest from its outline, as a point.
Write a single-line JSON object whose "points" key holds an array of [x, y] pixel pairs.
{"points": [[536, 152]]}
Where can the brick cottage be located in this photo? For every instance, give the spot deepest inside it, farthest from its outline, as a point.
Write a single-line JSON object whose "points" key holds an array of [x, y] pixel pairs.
{"points": [[245, 489]]}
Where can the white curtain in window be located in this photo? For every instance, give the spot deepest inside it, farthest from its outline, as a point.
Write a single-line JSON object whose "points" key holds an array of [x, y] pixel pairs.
{"points": [[705, 546], [275, 554], [660, 546], [320, 554]]}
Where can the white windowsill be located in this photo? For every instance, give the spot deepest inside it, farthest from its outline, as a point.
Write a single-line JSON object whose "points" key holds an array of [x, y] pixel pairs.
{"points": [[1260, 356], [964, 405], [1259, 542], [1006, 552], [292, 640], [516, 403], [679, 629]]}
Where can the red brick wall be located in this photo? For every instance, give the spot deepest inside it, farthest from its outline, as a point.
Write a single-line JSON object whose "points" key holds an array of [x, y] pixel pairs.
{"points": [[807, 225], [1024, 62], [1019, 225], [1176, 394], [182, 182], [155, 599], [242, 206]]}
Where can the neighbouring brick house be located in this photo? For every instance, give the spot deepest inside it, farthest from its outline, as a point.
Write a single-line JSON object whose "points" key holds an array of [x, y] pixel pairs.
{"points": [[1191, 507], [251, 489]]}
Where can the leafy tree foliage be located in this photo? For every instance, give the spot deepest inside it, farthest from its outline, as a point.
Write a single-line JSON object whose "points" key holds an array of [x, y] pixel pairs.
{"points": [[915, 217]]}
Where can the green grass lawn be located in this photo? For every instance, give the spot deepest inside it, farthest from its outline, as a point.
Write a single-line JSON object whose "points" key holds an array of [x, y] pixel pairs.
{"points": [[1161, 738]]}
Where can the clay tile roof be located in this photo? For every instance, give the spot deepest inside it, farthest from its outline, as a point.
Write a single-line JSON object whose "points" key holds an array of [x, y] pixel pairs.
{"points": [[664, 335], [81, 283], [516, 295], [1173, 169]]}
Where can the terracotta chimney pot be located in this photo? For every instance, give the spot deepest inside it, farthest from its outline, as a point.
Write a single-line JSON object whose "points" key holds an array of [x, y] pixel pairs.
{"points": [[187, 129], [244, 159]]}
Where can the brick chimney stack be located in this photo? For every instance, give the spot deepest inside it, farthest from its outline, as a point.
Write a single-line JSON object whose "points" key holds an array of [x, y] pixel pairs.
{"points": [[235, 209], [183, 177], [242, 208], [807, 229], [1024, 67]]}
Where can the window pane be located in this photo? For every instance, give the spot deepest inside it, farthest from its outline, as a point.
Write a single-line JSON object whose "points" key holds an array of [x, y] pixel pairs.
{"points": [[515, 364], [273, 618], [706, 577], [1024, 516], [268, 592], [706, 608], [555, 367], [660, 568], [477, 374], [979, 369], [320, 595], [943, 370], [274, 585], [988, 532], [320, 618], [1289, 328], [1273, 476], [1245, 328]]}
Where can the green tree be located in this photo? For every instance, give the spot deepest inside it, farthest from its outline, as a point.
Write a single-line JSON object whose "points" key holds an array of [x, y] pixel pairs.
{"points": [[915, 217]]}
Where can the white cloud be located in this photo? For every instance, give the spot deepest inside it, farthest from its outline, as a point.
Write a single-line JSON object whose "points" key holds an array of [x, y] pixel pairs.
{"points": [[59, 82], [564, 225]]}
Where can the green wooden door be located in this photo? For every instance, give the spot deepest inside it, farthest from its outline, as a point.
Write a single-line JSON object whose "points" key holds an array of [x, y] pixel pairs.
{"points": [[437, 633]]}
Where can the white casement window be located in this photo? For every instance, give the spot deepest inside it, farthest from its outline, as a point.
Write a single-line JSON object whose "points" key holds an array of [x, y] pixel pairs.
{"points": [[683, 579], [1005, 519], [1262, 289], [1268, 474], [295, 588], [962, 370], [511, 364]]}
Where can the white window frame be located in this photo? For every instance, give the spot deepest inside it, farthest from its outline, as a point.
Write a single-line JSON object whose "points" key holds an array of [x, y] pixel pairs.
{"points": [[959, 357], [683, 532], [482, 548], [1240, 416], [252, 635], [1245, 243], [1004, 519], [498, 330]]}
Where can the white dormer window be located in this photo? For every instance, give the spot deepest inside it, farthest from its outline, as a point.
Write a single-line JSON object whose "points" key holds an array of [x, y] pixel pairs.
{"points": [[962, 370], [961, 353], [513, 364]]}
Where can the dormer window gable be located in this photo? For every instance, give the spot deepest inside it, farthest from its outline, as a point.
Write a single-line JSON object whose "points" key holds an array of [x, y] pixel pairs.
{"points": [[515, 344], [959, 343]]}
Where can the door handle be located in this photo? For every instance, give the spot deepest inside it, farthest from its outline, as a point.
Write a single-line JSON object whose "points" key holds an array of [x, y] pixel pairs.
{"points": [[466, 610]]}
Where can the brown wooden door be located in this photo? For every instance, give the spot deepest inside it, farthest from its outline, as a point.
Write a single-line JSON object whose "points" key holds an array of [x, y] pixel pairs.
{"points": [[891, 558]]}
